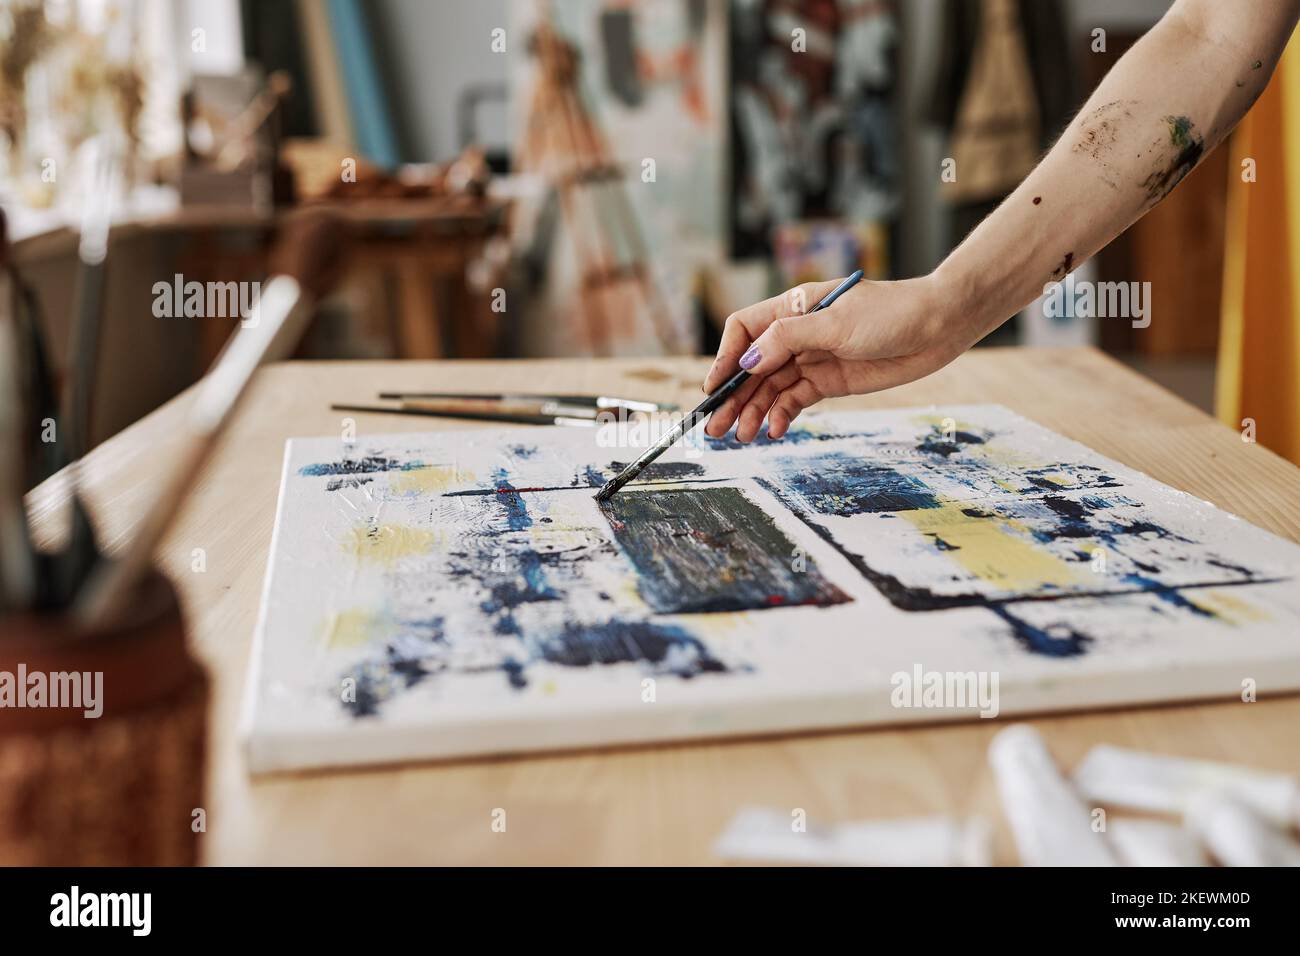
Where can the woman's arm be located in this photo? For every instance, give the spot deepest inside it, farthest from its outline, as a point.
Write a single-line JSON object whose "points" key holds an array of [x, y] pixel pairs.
{"points": [[1167, 102]]}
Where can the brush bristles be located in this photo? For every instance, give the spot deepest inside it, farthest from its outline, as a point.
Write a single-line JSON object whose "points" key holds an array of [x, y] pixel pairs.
{"points": [[611, 487]]}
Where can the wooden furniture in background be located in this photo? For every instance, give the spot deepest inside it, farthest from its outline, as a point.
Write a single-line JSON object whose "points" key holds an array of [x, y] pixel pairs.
{"points": [[424, 244], [414, 253], [662, 804]]}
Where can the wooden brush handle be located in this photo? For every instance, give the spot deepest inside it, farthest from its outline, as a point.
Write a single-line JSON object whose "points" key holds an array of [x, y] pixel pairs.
{"points": [[308, 257]]}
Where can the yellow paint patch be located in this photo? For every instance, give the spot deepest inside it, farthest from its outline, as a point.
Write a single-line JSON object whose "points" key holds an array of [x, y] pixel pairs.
{"points": [[429, 479], [354, 628], [996, 549], [387, 543], [999, 456], [719, 627], [627, 592], [1229, 607], [558, 537], [938, 421]]}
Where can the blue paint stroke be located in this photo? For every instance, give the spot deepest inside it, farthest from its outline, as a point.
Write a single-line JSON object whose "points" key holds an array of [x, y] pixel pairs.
{"points": [[400, 667], [1168, 594], [1057, 640], [669, 647], [358, 466], [795, 436], [843, 484], [516, 511], [940, 443]]}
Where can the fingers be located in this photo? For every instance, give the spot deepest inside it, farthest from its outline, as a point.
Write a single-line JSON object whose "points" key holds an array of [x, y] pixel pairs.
{"points": [[794, 335], [740, 329], [787, 406], [783, 395], [727, 413], [750, 419], [743, 327]]}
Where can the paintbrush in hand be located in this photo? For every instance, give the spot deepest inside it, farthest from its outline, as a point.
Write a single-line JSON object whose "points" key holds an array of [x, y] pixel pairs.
{"points": [[704, 409], [308, 259]]}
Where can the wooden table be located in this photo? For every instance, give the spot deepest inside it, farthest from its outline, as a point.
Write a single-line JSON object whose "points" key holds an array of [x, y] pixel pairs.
{"points": [[660, 804]]}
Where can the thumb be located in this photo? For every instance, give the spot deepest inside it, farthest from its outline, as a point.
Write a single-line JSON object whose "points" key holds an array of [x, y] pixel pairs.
{"points": [[791, 336]]}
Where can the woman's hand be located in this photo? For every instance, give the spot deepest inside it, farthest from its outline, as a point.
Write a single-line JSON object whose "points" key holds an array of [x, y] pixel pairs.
{"points": [[875, 336]]}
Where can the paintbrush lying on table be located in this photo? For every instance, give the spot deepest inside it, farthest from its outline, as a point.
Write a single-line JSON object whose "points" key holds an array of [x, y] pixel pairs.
{"points": [[306, 264], [581, 411], [704, 409], [539, 414], [597, 402]]}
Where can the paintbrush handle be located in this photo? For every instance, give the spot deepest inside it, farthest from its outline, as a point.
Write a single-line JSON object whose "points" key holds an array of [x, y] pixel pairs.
{"points": [[508, 407], [515, 418], [674, 434], [281, 313], [714, 401], [586, 401]]}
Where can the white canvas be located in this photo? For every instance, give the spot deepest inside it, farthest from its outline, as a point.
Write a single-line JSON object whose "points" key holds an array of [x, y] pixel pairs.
{"points": [[422, 602]]}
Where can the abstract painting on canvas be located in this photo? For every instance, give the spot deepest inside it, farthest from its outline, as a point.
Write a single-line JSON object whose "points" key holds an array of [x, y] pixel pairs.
{"points": [[462, 593]]}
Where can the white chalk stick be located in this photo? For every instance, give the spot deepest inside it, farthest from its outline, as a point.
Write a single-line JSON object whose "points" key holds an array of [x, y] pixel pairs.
{"points": [[1154, 843], [1163, 784], [761, 834], [1051, 824], [1236, 834]]}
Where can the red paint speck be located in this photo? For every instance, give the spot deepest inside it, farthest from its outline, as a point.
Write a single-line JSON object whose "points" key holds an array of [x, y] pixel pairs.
{"points": [[775, 599]]}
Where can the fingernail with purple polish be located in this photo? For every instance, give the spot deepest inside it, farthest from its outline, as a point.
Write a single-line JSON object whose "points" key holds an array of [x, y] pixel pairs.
{"points": [[751, 358]]}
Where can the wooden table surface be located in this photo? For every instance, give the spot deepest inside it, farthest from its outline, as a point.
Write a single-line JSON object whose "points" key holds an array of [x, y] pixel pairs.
{"points": [[658, 804]]}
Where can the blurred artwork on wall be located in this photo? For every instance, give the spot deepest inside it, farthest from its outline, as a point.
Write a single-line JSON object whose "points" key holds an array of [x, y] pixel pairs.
{"points": [[813, 109], [634, 213], [814, 250]]}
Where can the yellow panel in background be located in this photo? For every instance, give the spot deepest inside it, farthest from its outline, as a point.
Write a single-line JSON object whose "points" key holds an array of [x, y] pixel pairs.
{"points": [[1259, 350]]}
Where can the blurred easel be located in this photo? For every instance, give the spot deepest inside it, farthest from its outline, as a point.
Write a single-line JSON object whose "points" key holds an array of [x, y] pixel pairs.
{"points": [[563, 145]]}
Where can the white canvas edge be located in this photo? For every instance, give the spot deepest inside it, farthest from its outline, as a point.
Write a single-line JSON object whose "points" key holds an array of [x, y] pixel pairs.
{"points": [[248, 709], [267, 751]]}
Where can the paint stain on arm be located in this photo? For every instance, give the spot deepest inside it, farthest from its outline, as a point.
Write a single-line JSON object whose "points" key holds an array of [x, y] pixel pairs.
{"points": [[1181, 149], [1098, 131], [1063, 269]]}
